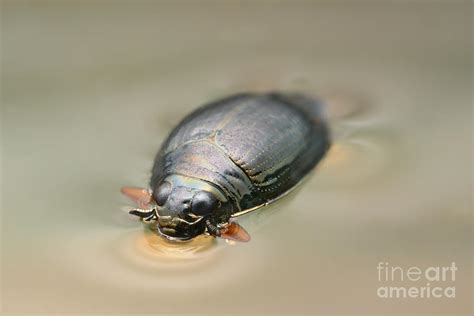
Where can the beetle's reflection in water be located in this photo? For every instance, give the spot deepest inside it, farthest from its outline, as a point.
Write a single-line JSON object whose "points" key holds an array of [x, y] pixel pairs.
{"points": [[164, 249]]}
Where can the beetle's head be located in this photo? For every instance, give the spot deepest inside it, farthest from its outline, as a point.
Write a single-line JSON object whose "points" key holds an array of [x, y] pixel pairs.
{"points": [[184, 205]]}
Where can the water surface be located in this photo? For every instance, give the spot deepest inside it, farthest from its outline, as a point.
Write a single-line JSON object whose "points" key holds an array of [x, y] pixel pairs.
{"points": [[91, 89]]}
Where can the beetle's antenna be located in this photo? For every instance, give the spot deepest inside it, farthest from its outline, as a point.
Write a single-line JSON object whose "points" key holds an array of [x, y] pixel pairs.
{"points": [[145, 215]]}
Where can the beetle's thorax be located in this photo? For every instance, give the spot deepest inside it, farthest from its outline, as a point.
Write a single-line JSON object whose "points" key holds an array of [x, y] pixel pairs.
{"points": [[206, 161]]}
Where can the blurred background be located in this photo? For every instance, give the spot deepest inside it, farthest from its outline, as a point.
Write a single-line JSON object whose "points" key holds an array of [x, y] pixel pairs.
{"points": [[91, 88]]}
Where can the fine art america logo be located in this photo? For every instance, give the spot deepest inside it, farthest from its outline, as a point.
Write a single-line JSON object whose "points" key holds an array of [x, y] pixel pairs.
{"points": [[416, 282]]}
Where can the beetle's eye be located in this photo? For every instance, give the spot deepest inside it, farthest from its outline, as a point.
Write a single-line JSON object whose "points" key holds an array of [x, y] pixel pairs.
{"points": [[162, 193], [203, 203]]}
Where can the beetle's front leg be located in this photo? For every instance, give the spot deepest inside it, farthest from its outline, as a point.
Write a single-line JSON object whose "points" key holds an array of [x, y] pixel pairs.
{"points": [[145, 215], [212, 228]]}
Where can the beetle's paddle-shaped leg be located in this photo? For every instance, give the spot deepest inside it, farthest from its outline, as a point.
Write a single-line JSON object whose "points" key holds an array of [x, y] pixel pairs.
{"points": [[140, 196], [234, 231]]}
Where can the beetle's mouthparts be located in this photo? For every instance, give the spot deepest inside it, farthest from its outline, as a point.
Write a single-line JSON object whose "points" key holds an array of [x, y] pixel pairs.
{"points": [[172, 227], [173, 221], [165, 220], [177, 228]]}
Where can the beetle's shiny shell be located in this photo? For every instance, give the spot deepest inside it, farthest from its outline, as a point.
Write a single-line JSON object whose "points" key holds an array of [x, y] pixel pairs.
{"points": [[253, 147]]}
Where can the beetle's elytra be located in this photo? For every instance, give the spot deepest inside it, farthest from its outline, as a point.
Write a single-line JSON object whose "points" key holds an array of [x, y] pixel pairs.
{"points": [[228, 158]]}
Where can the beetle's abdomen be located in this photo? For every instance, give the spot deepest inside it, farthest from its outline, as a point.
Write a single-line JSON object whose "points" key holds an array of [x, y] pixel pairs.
{"points": [[274, 139]]}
